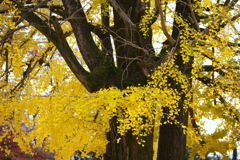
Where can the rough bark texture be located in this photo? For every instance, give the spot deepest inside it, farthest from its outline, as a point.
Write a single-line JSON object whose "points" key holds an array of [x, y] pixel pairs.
{"points": [[172, 140], [126, 39], [127, 148]]}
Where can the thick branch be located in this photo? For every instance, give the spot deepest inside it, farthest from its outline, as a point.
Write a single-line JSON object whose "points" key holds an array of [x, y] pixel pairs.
{"points": [[226, 2], [106, 40], [58, 39], [89, 50], [205, 80]]}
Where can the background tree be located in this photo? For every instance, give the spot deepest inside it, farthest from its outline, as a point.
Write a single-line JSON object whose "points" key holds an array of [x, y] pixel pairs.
{"points": [[235, 155], [130, 91], [11, 150]]}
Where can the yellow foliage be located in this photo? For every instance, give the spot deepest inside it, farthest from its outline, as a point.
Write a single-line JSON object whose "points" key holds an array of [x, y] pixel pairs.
{"points": [[61, 113]]}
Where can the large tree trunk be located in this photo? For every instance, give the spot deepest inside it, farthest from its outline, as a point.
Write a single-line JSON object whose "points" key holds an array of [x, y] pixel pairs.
{"points": [[130, 42], [127, 148], [172, 139]]}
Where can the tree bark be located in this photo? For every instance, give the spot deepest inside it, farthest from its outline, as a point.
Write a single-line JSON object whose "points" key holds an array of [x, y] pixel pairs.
{"points": [[235, 154], [130, 42], [127, 148], [172, 139]]}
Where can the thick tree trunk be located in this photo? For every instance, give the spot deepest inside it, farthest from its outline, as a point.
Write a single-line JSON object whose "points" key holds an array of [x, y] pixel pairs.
{"points": [[172, 139], [132, 75], [235, 155], [127, 148]]}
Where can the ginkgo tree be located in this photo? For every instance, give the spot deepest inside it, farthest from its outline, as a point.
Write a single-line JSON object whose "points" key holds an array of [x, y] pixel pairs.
{"points": [[129, 79]]}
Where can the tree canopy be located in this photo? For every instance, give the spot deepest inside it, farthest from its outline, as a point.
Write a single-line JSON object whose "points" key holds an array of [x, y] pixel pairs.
{"points": [[128, 79]]}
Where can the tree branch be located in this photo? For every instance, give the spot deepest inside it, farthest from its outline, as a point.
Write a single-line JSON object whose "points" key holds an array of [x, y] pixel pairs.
{"points": [[207, 81], [106, 40], [9, 33], [193, 15], [89, 50], [121, 13], [58, 39], [211, 68], [226, 2], [170, 39], [195, 125], [126, 42], [30, 67], [220, 23]]}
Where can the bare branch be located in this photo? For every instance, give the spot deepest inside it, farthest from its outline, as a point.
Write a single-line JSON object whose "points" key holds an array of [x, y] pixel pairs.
{"points": [[231, 24], [121, 13], [9, 33], [193, 15], [211, 68], [31, 65], [170, 39], [221, 24], [226, 2], [124, 41]]}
